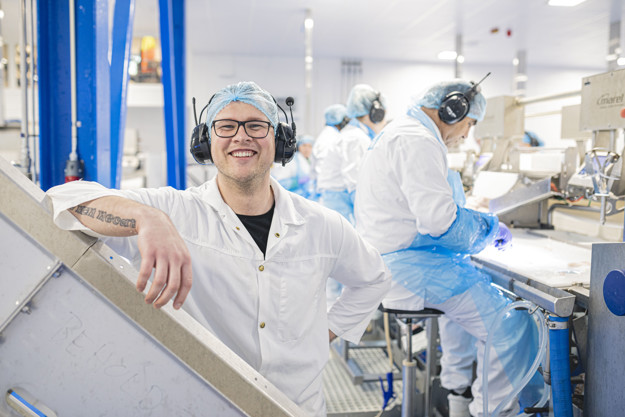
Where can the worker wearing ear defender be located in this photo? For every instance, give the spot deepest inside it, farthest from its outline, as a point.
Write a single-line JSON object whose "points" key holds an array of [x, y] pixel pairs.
{"points": [[335, 120], [366, 110], [410, 206], [243, 256]]}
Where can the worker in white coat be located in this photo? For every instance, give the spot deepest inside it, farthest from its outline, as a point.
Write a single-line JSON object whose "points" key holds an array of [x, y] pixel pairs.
{"points": [[251, 249], [411, 208], [335, 119], [337, 184]]}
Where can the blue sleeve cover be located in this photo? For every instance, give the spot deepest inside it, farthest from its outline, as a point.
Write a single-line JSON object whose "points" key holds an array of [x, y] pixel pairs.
{"points": [[471, 232]]}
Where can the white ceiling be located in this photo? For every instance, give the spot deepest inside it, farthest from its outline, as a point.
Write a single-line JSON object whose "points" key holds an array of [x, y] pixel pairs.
{"points": [[406, 30], [412, 30]]}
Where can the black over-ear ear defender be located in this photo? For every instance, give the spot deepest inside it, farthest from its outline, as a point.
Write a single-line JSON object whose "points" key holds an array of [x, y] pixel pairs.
{"points": [[343, 123], [285, 141], [456, 105], [200, 141], [377, 111]]}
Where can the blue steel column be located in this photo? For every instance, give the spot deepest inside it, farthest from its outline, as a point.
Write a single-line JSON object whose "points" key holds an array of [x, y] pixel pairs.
{"points": [[93, 89], [53, 71], [120, 58], [173, 65]]}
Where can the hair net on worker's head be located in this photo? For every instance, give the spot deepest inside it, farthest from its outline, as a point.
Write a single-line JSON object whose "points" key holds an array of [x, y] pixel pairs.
{"points": [[434, 96], [304, 139], [335, 114], [246, 92], [360, 100]]}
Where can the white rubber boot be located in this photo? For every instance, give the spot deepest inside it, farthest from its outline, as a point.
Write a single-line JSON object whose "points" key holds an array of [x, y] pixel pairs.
{"points": [[458, 405]]}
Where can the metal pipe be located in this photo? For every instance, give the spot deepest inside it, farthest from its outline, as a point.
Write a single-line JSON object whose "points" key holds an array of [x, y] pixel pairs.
{"points": [[568, 207], [532, 100], [25, 160], [73, 156], [33, 101]]}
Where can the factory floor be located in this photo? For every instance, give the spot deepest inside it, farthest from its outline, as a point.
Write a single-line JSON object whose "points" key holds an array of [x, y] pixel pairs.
{"points": [[346, 399]]}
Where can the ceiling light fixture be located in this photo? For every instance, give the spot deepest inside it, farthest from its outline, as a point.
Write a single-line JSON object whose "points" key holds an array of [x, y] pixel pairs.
{"points": [[447, 55], [564, 3], [611, 57], [460, 59], [309, 23], [621, 61]]}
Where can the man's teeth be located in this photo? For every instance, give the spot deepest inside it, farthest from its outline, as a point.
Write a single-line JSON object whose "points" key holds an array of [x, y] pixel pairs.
{"points": [[240, 154]]}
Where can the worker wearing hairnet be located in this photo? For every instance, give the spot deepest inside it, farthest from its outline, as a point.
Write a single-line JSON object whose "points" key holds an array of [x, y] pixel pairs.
{"points": [[296, 175], [410, 206], [337, 181], [335, 120], [250, 248]]}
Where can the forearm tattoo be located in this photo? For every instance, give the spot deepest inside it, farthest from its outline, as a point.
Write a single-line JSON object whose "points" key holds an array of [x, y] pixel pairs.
{"points": [[103, 216]]}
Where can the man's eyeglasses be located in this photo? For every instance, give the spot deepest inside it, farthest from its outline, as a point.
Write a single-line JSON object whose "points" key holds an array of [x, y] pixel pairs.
{"points": [[226, 128]]}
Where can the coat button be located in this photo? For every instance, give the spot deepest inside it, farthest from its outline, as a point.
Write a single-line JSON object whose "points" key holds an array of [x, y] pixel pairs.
{"points": [[262, 324], [238, 228], [261, 268], [277, 234]]}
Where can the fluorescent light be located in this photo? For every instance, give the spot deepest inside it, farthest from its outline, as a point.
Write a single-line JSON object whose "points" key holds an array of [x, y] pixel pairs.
{"points": [[460, 59], [309, 23], [447, 55], [565, 3], [621, 61], [515, 61], [308, 59]]}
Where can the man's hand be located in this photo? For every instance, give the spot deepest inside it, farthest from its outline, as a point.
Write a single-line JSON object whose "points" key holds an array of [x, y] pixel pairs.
{"points": [[159, 242], [163, 250], [331, 335]]}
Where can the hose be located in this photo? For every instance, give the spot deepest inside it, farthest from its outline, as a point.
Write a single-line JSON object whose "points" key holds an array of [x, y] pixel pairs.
{"points": [[542, 341]]}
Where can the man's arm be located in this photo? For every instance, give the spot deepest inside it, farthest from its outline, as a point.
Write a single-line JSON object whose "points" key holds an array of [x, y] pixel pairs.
{"points": [[159, 243]]}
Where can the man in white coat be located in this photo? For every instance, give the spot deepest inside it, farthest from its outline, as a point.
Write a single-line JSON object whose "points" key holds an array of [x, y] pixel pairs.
{"points": [[411, 208], [366, 109], [258, 256]]}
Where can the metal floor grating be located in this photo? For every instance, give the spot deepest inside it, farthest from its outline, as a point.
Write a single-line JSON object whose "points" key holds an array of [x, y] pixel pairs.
{"points": [[343, 398]]}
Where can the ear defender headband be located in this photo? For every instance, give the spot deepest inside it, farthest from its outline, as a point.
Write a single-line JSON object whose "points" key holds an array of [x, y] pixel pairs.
{"points": [[456, 105], [286, 143], [377, 111]]}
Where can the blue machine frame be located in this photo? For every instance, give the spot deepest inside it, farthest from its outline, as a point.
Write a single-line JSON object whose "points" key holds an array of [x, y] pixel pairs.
{"points": [[101, 88]]}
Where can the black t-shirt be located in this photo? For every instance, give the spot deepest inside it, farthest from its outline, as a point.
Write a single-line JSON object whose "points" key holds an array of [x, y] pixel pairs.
{"points": [[258, 227]]}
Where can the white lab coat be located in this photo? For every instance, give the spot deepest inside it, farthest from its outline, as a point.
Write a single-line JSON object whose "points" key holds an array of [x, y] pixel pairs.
{"points": [[353, 143], [232, 296], [405, 191], [328, 136]]}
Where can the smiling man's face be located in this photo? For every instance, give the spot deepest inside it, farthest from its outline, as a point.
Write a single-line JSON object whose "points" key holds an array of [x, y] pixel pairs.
{"points": [[242, 159]]}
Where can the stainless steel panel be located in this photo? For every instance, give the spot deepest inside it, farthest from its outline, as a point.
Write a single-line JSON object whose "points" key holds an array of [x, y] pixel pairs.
{"points": [[605, 373], [603, 101]]}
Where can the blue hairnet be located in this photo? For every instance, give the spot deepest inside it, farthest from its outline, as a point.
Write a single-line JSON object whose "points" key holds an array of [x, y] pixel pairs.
{"points": [[360, 100], [301, 140], [335, 114], [434, 96], [246, 92]]}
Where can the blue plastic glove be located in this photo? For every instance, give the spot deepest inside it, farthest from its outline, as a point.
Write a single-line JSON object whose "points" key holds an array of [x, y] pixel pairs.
{"points": [[503, 237]]}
